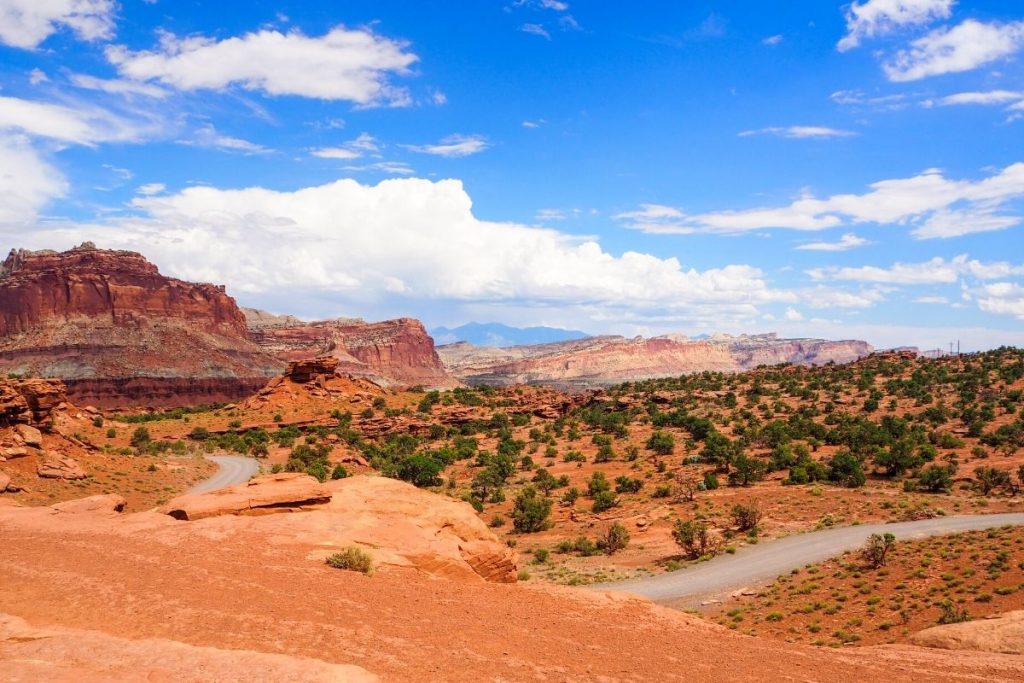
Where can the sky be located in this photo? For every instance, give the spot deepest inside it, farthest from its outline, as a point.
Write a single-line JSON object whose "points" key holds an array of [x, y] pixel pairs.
{"points": [[806, 167]]}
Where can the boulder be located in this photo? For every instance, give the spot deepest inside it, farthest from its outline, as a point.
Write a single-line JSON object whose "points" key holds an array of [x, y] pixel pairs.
{"points": [[303, 371], [29, 435], [109, 503], [42, 396], [285, 492], [60, 468], [4, 481], [13, 406], [412, 527], [1003, 634], [12, 452]]}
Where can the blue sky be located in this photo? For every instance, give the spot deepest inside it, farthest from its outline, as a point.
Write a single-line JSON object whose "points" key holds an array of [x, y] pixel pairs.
{"points": [[812, 168]]}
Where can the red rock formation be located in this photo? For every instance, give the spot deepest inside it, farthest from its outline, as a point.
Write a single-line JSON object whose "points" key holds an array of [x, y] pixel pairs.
{"points": [[392, 352], [120, 332], [599, 361]]}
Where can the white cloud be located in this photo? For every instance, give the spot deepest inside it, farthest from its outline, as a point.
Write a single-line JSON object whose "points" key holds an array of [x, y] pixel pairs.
{"points": [[150, 189], [792, 314], [847, 241], [1001, 298], [856, 98], [353, 149], [874, 18], [931, 300], [353, 65], [117, 86], [772, 41], [536, 30], [27, 23], [934, 271], [411, 238], [83, 124], [208, 136], [984, 98], [822, 297], [963, 47], [27, 182], [532, 124], [799, 132], [544, 215], [386, 167], [555, 5], [453, 146], [37, 76], [933, 205], [336, 153]]}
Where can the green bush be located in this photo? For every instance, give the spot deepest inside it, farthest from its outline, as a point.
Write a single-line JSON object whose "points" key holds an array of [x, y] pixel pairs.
{"points": [[352, 559], [531, 511]]}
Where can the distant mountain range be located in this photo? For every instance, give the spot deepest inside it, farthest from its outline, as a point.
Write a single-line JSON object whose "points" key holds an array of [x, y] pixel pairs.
{"points": [[501, 336]]}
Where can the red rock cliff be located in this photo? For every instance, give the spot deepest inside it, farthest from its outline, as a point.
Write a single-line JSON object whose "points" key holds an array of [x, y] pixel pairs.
{"points": [[396, 352], [121, 333]]}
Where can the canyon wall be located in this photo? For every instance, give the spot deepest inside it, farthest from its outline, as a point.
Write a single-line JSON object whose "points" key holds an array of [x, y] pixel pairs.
{"points": [[121, 333], [600, 361]]}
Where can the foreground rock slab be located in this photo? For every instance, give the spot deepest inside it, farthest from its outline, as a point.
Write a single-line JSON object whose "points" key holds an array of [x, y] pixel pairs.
{"points": [[283, 492], [59, 654], [1004, 634]]}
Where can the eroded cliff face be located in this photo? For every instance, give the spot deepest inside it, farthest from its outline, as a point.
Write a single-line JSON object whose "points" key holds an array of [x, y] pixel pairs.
{"points": [[121, 333], [598, 361], [393, 352]]}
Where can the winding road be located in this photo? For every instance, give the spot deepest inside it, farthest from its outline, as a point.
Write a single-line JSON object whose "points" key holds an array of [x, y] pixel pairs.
{"points": [[234, 469], [762, 563]]}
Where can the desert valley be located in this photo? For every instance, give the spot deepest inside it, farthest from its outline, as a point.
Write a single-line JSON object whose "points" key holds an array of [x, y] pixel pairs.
{"points": [[511, 341], [504, 510]]}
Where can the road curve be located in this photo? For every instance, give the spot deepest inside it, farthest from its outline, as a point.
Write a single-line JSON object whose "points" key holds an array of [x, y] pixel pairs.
{"points": [[762, 563], [234, 469]]}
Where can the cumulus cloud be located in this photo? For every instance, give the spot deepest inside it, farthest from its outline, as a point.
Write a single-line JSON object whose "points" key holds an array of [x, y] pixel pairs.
{"points": [[874, 18], [847, 241], [354, 65], [963, 47], [27, 182], [404, 237], [1001, 298], [453, 146], [799, 132], [933, 205], [27, 23]]}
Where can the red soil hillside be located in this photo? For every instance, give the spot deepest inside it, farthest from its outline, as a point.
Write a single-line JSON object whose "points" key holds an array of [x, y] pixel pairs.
{"points": [[120, 333], [391, 352]]}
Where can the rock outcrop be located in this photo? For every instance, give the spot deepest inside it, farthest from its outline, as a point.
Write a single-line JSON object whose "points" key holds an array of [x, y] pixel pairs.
{"points": [[391, 353], [29, 402], [601, 361], [1003, 634], [285, 492], [121, 333], [399, 524]]}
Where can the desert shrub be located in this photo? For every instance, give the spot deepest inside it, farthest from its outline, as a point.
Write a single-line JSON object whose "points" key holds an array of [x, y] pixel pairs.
{"points": [[339, 472], [97, 421], [694, 537], [950, 614], [710, 481], [876, 549], [746, 470], [661, 443], [614, 539], [988, 479], [625, 484], [935, 479], [845, 469], [597, 483], [140, 437], [531, 511], [604, 500], [745, 517], [352, 559]]}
